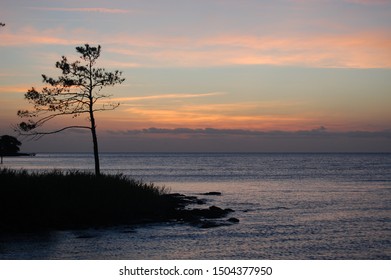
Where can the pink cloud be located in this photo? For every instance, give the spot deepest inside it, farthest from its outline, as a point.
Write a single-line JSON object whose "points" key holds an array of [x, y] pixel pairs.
{"points": [[29, 35], [369, 2], [359, 50], [91, 9]]}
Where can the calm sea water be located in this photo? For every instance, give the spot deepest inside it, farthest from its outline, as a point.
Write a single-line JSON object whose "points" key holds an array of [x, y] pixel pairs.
{"points": [[290, 206]]}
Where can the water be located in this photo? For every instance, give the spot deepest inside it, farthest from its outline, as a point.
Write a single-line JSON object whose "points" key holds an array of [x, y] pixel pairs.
{"points": [[290, 206]]}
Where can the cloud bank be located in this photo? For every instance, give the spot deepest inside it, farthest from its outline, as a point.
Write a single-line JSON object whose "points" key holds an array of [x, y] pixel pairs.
{"points": [[320, 132], [212, 140]]}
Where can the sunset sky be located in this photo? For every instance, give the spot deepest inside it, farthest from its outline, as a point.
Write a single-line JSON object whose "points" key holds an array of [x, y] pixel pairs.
{"points": [[212, 75]]}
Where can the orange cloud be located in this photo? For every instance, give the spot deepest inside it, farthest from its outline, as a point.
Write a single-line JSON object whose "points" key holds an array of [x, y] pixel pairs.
{"points": [[364, 50], [166, 96], [369, 50], [265, 115], [14, 89], [249, 115]]}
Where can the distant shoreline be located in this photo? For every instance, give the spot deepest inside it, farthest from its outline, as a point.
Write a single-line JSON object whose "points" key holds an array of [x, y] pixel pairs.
{"points": [[208, 153], [18, 155]]}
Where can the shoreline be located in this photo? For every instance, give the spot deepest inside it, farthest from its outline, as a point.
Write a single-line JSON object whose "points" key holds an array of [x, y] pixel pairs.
{"points": [[75, 200]]}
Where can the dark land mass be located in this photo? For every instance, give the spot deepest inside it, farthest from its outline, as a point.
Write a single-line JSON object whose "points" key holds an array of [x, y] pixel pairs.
{"points": [[17, 154], [74, 200]]}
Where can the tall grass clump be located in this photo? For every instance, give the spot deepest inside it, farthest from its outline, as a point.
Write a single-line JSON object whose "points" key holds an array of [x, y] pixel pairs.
{"points": [[73, 199]]}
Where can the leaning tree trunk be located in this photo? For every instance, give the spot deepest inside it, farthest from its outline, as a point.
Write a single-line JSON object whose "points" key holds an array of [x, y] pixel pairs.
{"points": [[96, 151], [95, 143], [93, 125], [93, 130]]}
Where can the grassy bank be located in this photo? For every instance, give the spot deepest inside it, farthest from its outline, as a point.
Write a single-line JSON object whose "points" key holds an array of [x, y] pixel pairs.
{"points": [[62, 200]]}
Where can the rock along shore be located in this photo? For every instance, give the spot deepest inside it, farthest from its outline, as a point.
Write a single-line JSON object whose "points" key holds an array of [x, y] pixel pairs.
{"points": [[209, 217]]}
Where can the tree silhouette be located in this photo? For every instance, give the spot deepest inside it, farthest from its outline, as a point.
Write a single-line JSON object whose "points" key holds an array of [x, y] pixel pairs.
{"points": [[9, 145], [77, 91]]}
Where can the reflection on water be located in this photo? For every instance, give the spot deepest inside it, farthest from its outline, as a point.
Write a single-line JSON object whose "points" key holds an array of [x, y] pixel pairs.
{"points": [[289, 207], [23, 245]]}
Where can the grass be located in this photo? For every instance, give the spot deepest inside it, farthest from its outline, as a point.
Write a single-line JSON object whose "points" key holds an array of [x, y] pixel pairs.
{"points": [[72, 199]]}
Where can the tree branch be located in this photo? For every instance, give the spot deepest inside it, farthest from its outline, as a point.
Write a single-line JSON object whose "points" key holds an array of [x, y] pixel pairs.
{"points": [[38, 135]]}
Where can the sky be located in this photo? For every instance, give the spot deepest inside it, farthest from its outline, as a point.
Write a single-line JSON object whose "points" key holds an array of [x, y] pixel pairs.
{"points": [[211, 75]]}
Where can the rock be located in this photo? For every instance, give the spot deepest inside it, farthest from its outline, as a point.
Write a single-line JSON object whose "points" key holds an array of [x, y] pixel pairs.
{"points": [[212, 193], [213, 212], [201, 201], [233, 220], [215, 209], [216, 212], [210, 217], [174, 195]]}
